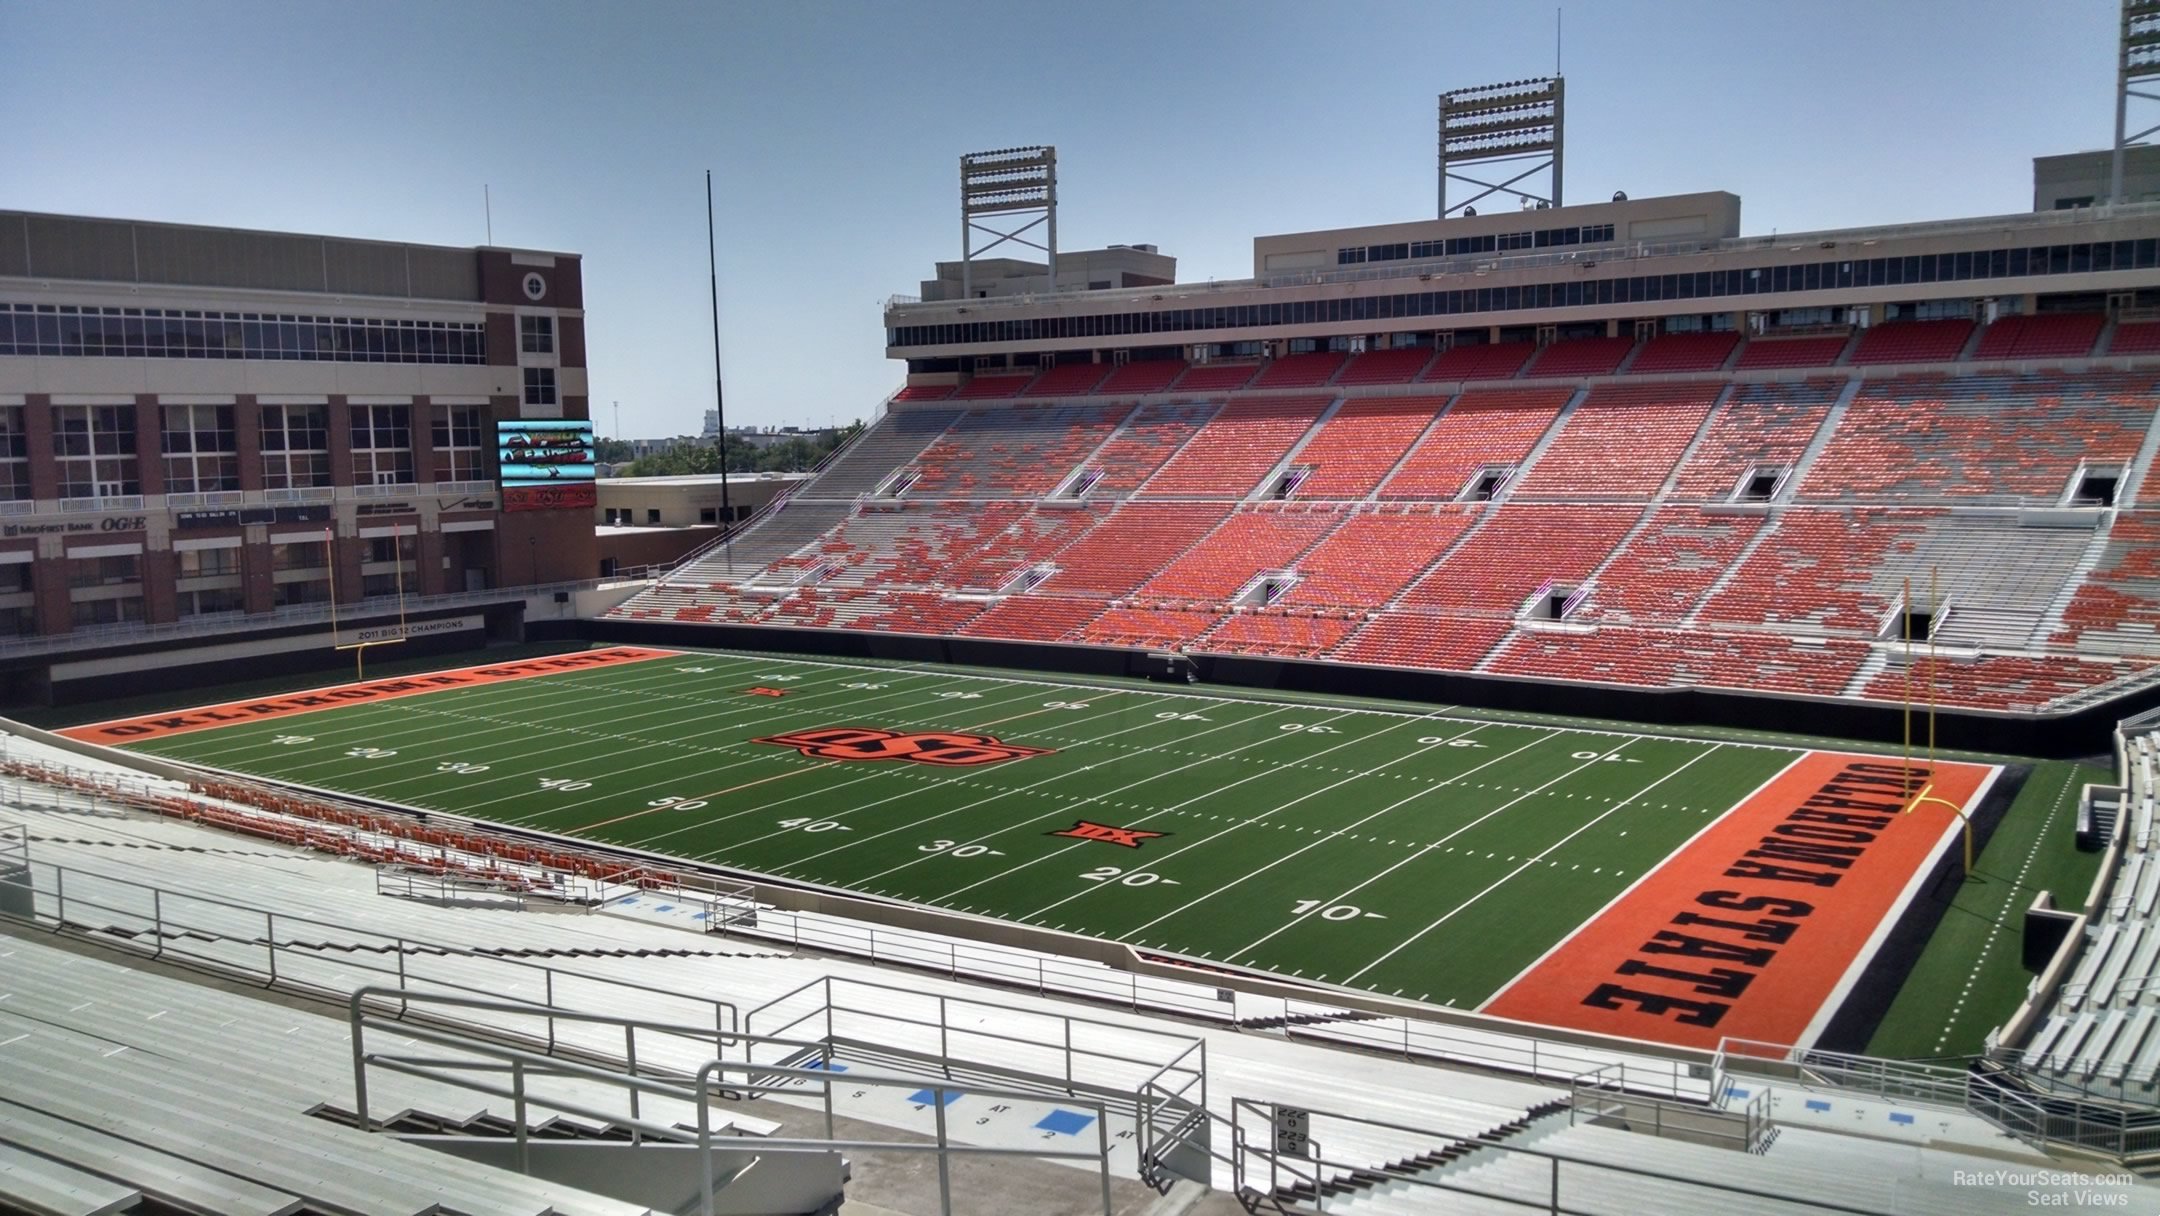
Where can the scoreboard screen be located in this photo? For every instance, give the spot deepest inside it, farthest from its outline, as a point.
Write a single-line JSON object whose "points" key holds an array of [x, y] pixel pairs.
{"points": [[547, 463]]}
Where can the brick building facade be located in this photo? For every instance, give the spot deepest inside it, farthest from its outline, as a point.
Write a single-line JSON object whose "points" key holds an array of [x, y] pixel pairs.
{"points": [[202, 422]]}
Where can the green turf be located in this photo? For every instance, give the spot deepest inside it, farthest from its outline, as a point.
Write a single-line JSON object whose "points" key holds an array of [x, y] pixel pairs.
{"points": [[1970, 978], [1405, 853]]}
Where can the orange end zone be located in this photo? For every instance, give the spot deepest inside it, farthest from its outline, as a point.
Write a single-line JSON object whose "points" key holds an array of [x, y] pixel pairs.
{"points": [[158, 726], [1755, 928]]}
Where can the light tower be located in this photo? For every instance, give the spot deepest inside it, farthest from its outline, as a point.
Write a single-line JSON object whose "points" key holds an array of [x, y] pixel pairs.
{"points": [[1010, 184], [2137, 67], [1512, 123]]}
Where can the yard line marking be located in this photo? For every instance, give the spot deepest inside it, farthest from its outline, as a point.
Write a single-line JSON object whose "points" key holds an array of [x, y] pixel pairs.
{"points": [[1678, 849], [1400, 802], [1156, 863], [655, 810], [788, 714], [165, 725], [873, 773], [1324, 701], [360, 718], [1510, 875], [1150, 723]]}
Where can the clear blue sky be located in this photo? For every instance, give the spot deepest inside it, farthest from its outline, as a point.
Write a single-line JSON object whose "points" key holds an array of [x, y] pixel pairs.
{"points": [[834, 130]]}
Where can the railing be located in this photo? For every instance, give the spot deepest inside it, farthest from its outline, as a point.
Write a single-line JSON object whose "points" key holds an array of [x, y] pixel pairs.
{"points": [[1028, 970], [1607, 1092], [1259, 1167], [302, 494], [441, 886], [713, 1078], [226, 935], [83, 506], [1495, 1049], [14, 847], [1071, 1054], [2003, 1096]]}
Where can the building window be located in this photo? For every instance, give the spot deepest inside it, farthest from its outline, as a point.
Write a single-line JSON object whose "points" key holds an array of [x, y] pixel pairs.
{"points": [[708, 515], [301, 591], [94, 447], [200, 455], [171, 333], [536, 335], [208, 563], [295, 447], [115, 611], [539, 386], [652, 515], [382, 445], [209, 602], [386, 567], [104, 571], [14, 455], [458, 431]]}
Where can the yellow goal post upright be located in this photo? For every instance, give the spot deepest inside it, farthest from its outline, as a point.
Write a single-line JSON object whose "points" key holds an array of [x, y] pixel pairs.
{"points": [[359, 647], [1925, 795]]}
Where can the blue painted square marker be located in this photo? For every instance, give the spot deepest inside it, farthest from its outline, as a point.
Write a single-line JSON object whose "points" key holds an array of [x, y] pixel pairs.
{"points": [[822, 1066], [1898, 1118], [1817, 1104], [665, 908], [1064, 1122], [921, 1097], [1734, 1091]]}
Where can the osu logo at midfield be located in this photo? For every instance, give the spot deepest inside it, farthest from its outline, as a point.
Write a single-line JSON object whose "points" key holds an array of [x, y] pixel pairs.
{"points": [[922, 747]]}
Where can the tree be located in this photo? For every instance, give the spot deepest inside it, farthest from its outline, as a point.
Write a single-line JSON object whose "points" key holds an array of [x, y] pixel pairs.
{"points": [[795, 454]]}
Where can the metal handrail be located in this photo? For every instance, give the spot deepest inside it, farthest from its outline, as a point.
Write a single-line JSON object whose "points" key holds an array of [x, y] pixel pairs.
{"points": [[727, 1016], [708, 1082], [1070, 1050], [1317, 1164]]}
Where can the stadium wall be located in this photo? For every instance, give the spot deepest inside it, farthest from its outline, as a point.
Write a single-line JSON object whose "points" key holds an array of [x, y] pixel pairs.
{"points": [[2077, 733]]}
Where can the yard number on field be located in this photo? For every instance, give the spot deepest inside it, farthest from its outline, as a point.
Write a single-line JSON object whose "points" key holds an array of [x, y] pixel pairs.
{"points": [[564, 784], [460, 766], [1333, 911], [678, 803], [1138, 878], [954, 849], [815, 825]]}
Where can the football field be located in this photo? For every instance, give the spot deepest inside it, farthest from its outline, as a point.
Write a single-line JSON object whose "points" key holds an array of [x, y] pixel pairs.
{"points": [[1432, 856]]}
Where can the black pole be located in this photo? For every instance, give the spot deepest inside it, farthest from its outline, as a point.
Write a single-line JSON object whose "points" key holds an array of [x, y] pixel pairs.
{"points": [[712, 262]]}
